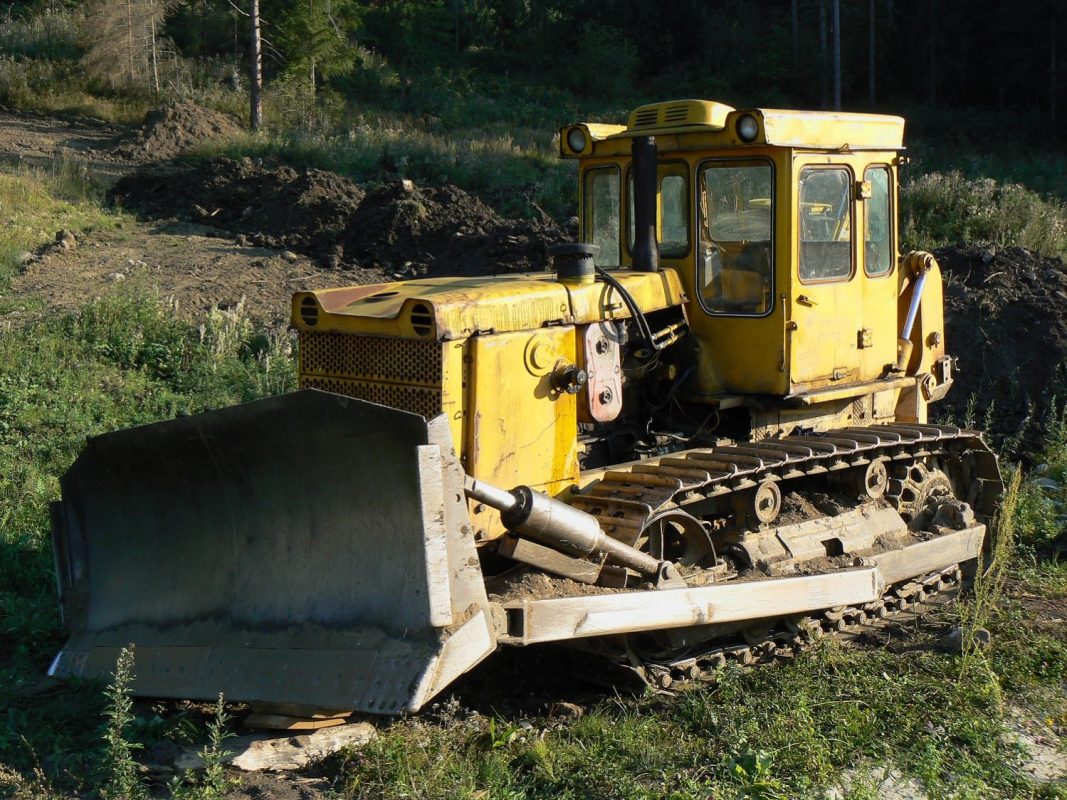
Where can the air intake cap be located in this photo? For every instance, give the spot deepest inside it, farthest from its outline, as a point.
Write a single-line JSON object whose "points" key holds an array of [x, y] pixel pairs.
{"points": [[573, 261]]}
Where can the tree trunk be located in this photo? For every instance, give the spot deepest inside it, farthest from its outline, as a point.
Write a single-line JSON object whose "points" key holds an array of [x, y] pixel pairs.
{"points": [[837, 55], [824, 70], [255, 70], [796, 37], [155, 56], [870, 55], [130, 48], [1052, 71], [932, 67]]}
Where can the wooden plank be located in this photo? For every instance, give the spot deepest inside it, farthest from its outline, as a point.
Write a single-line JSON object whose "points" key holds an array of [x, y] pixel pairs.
{"points": [[280, 722]]}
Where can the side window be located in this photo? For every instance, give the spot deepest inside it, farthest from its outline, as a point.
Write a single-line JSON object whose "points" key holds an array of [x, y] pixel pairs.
{"points": [[825, 224], [878, 223], [735, 258], [673, 210], [601, 213]]}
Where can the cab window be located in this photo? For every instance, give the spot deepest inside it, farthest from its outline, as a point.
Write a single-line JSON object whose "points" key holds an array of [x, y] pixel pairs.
{"points": [[673, 210], [825, 224], [734, 258], [601, 213], [878, 224]]}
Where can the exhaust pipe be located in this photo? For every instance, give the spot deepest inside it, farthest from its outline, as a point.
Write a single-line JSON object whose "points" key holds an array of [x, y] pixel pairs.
{"points": [[646, 247]]}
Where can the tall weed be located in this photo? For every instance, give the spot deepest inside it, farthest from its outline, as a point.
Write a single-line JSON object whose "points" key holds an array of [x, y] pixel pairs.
{"points": [[943, 208], [123, 780]]}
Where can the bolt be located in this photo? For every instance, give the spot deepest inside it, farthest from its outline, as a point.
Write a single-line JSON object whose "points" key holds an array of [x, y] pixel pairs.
{"points": [[601, 346], [606, 396]]}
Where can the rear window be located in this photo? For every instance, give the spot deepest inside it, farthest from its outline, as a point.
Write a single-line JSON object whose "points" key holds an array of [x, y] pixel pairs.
{"points": [[601, 213], [878, 256]]}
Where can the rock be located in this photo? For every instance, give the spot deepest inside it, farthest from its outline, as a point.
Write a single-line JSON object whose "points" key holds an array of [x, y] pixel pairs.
{"points": [[407, 185], [952, 642], [117, 277], [271, 752], [564, 709], [290, 256], [65, 236]]}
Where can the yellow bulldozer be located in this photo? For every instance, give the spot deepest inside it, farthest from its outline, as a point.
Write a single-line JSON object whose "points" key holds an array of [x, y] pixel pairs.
{"points": [[700, 437]]}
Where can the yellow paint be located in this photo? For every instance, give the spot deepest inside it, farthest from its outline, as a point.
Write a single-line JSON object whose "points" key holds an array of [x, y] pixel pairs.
{"points": [[463, 307], [707, 125], [500, 339], [520, 430], [818, 358]]}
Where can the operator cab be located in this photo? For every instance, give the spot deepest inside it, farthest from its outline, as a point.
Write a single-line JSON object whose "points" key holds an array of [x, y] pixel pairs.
{"points": [[781, 226]]}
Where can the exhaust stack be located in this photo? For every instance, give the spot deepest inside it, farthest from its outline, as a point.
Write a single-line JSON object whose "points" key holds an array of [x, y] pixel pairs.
{"points": [[646, 247]]}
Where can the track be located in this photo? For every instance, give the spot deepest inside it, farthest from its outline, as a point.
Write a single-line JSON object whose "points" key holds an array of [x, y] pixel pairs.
{"points": [[626, 497], [900, 603], [716, 484]]}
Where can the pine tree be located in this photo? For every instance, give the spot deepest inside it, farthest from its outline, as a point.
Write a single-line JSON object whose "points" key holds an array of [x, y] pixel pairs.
{"points": [[122, 41]]}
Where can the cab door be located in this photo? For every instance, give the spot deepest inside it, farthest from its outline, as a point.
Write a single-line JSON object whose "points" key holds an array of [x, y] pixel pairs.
{"points": [[825, 294]]}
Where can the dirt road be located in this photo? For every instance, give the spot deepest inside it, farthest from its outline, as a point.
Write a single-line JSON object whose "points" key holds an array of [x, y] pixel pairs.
{"points": [[36, 140]]}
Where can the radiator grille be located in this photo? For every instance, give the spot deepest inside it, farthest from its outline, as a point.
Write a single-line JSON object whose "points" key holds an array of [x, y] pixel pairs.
{"points": [[417, 399], [373, 358]]}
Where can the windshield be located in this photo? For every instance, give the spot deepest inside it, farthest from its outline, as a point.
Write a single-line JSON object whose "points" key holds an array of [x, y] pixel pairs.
{"points": [[734, 263]]}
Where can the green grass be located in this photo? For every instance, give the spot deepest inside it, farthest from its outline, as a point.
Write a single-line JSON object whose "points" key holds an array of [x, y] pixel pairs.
{"points": [[116, 362], [788, 731], [508, 170]]}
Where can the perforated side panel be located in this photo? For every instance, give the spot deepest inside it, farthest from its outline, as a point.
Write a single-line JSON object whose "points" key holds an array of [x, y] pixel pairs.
{"points": [[374, 358], [417, 399]]}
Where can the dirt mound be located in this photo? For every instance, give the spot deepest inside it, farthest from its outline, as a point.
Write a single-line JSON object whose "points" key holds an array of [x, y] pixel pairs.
{"points": [[280, 208], [1006, 320], [442, 231], [402, 229], [176, 127]]}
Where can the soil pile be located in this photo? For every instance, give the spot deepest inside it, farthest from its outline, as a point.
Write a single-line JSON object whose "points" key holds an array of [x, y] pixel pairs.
{"points": [[440, 231], [280, 208], [176, 127], [1006, 320], [401, 229]]}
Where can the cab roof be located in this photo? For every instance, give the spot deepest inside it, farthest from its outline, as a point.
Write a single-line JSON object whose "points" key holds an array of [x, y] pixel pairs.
{"points": [[699, 124]]}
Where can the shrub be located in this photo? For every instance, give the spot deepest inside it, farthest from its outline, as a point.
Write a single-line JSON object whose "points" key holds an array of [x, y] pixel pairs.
{"points": [[41, 36], [941, 208]]}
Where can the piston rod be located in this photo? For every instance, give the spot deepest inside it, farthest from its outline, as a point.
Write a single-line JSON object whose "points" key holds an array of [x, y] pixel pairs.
{"points": [[539, 518]]}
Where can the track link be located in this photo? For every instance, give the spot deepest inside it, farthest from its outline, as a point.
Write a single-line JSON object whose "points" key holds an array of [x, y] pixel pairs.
{"points": [[626, 496]]}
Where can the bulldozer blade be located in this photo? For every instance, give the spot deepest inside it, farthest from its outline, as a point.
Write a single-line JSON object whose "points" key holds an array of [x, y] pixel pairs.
{"points": [[309, 549]]}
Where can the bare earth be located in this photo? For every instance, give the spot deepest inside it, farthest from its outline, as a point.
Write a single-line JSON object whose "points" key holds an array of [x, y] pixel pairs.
{"points": [[38, 140], [197, 272], [199, 269], [194, 266]]}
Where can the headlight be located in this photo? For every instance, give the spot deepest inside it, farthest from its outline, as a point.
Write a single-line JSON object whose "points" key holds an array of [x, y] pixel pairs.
{"points": [[747, 128], [576, 140]]}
